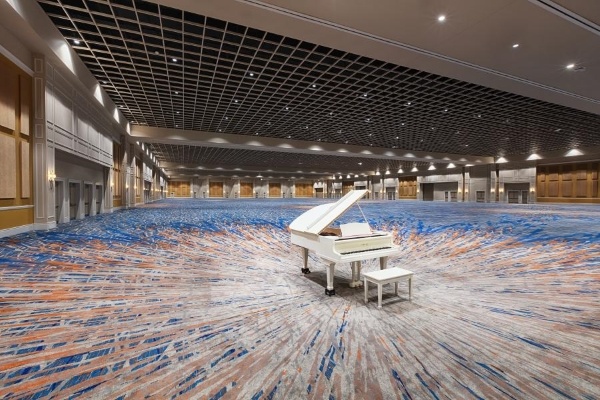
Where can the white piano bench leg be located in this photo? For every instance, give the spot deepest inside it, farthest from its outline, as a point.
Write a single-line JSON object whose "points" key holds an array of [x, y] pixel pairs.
{"points": [[330, 292]]}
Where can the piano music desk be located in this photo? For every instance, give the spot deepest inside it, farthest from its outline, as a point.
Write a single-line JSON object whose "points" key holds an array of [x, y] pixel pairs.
{"points": [[383, 276]]}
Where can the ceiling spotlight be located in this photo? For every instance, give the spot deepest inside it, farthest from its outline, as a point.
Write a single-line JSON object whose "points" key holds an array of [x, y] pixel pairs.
{"points": [[408, 103], [397, 137], [76, 41], [313, 86], [387, 171], [287, 109], [570, 66], [400, 171], [442, 18], [515, 45], [415, 169], [364, 95], [251, 74], [431, 167], [360, 163], [174, 60]]}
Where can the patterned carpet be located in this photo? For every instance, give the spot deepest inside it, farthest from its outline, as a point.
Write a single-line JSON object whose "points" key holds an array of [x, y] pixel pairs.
{"points": [[204, 299]]}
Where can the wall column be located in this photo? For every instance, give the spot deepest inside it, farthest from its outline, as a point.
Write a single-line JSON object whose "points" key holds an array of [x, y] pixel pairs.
{"points": [[43, 152]]}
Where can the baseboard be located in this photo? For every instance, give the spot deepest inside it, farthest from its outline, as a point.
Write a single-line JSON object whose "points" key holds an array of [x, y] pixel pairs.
{"points": [[44, 226], [16, 230]]}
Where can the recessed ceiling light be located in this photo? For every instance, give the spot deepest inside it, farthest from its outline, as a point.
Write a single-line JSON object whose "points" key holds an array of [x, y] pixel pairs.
{"points": [[397, 137], [364, 95], [415, 169], [313, 85], [177, 112], [445, 110], [570, 66], [251, 74], [287, 109], [76, 41], [408, 103], [442, 18], [289, 137], [156, 52], [236, 101], [360, 163], [220, 130], [176, 92], [174, 59], [226, 118]]}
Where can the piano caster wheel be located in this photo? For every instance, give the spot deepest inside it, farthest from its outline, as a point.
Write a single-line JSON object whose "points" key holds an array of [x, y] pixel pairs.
{"points": [[305, 271], [330, 292]]}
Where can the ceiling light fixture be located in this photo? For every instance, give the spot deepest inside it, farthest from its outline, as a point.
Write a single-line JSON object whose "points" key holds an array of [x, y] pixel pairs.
{"points": [[174, 60], [451, 165], [441, 18], [515, 45], [431, 167], [251, 74], [415, 169], [570, 66], [387, 171], [76, 41], [364, 95], [400, 171]]}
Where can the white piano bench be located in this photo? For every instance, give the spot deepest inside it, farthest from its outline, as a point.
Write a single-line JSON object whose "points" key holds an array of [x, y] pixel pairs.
{"points": [[388, 275]]}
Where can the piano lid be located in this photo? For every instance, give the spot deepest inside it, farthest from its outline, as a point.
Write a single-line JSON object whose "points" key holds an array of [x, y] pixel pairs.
{"points": [[320, 217]]}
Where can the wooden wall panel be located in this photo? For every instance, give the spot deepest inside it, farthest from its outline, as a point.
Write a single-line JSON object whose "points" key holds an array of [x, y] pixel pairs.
{"points": [[15, 146], [8, 167], [274, 189], [304, 190], [568, 183], [25, 171], [246, 189], [347, 186], [215, 189], [407, 189], [9, 93]]}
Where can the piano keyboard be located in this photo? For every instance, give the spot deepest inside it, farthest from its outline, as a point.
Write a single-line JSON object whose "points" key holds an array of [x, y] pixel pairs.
{"points": [[365, 250]]}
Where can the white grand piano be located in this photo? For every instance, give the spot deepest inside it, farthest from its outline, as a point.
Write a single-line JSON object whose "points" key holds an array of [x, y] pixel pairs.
{"points": [[351, 242]]}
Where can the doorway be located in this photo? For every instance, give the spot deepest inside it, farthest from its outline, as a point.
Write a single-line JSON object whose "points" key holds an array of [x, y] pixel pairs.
{"points": [[74, 200], [59, 200], [428, 191]]}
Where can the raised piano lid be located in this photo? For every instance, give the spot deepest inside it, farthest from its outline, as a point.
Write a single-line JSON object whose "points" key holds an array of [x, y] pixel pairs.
{"points": [[320, 217]]}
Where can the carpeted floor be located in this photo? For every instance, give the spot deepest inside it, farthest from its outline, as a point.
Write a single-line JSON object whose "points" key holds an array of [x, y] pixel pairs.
{"points": [[204, 299]]}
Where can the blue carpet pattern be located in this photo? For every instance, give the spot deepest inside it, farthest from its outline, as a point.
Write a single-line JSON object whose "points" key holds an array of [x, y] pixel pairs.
{"points": [[204, 299]]}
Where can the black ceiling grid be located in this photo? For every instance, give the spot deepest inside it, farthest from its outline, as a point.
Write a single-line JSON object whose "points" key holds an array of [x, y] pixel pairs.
{"points": [[173, 69]]}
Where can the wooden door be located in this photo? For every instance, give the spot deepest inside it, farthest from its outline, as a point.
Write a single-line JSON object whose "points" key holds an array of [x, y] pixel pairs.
{"points": [[275, 190], [215, 189], [246, 189]]}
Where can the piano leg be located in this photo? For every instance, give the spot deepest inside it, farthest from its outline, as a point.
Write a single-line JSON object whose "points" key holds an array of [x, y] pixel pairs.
{"points": [[305, 270], [330, 291], [383, 262], [356, 266]]}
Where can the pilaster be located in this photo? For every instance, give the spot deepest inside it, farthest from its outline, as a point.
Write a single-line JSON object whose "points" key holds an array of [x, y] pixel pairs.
{"points": [[44, 173]]}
